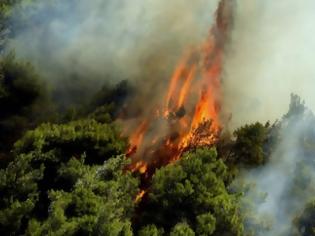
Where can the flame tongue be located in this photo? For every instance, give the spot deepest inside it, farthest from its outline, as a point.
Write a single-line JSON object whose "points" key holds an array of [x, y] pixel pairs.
{"points": [[189, 124]]}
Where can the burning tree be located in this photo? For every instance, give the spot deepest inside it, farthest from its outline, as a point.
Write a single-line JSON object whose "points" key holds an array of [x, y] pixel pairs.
{"points": [[189, 115]]}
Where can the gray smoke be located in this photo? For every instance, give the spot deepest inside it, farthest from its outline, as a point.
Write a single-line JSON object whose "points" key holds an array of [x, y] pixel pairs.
{"points": [[109, 40], [285, 184], [271, 56]]}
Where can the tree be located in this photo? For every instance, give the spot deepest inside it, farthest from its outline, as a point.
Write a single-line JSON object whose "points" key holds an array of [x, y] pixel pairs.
{"points": [[150, 230], [102, 203], [206, 224], [182, 229], [19, 194], [111, 98], [193, 190], [98, 141], [49, 162], [23, 100], [296, 107], [250, 143]]}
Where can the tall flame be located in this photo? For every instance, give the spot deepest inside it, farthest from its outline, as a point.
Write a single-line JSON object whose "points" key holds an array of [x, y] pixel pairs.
{"points": [[192, 102]]}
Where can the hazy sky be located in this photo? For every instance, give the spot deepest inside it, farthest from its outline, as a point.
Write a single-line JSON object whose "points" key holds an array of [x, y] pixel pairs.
{"points": [[271, 56]]}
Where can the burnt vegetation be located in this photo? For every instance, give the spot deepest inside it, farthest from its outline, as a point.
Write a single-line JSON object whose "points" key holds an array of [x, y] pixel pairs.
{"points": [[64, 170]]}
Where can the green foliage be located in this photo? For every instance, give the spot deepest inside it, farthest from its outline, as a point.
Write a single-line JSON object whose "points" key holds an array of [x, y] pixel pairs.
{"points": [[19, 193], [150, 230], [100, 204], [54, 146], [53, 159], [182, 229], [20, 85], [206, 224], [110, 98], [193, 190], [249, 145], [97, 141], [23, 100], [101, 201]]}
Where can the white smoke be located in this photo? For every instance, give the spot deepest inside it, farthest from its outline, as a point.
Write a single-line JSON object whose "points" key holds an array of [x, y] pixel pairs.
{"points": [[271, 56], [288, 178]]}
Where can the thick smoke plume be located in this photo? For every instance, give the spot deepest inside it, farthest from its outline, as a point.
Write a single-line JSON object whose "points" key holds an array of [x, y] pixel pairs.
{"points": [[95, 41]]}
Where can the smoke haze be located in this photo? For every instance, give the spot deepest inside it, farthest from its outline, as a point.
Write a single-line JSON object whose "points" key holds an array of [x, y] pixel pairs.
{"points": [[110, 40], [271, 55], [287, 180]]}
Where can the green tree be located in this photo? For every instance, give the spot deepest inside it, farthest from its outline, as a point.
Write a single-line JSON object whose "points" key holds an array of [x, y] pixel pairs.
{"points": [[99, 141], [206, 224], [193, 190], [182, 229], [102, 203], [249, 146], [48, 163], [150, 230], [111, 98], [19, 194], [23, 100]]}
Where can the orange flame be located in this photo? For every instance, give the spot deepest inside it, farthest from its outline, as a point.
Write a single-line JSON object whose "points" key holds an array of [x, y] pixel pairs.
{"points": [[140, 196], [178, 73], [191, 122], [185, 89], [137, 138]]}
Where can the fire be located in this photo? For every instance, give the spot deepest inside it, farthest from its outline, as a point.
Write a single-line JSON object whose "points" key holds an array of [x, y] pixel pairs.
{"points": [[137, 137], [178, 73], [185, 89], [192, 104], [140, 196]]}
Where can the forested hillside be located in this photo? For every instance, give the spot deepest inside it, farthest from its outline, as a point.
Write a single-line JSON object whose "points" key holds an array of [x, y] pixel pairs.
{"points": [[72, 168]]}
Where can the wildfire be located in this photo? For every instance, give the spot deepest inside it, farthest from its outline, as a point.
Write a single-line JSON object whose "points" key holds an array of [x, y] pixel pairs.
{"points": [[192, 104]]}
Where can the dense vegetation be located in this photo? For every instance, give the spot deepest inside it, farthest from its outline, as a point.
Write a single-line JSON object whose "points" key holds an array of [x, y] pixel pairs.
{"points": [[64, 173]]}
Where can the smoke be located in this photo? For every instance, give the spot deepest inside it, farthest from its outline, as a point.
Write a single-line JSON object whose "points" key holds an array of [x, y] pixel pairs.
{"points": [[270, 56], [78, 43], [287, 179]]}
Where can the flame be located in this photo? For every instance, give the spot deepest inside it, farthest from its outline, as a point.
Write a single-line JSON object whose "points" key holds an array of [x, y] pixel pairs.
{"points": [[185, 89], [178, 73], [137, 138], [139, 166], [192, 103], [140, 196]]}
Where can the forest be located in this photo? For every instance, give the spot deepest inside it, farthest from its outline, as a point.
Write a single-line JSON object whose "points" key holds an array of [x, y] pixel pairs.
{"points": [[69, 167]]}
